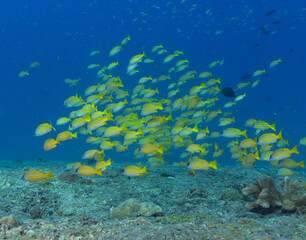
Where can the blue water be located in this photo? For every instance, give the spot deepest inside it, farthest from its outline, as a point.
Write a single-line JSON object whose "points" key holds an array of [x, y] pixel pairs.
{"points": [[61, 34]]}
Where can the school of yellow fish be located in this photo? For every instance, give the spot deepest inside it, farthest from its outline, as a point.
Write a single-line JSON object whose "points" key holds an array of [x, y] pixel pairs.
{"points": [[112, 117]]}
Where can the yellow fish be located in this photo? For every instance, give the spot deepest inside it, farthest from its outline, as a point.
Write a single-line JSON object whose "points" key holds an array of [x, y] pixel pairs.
{"points": [[275, 62], [98, 122], [63, 121], [88, 171], [248, 143], [289, 163], [283, 153], [50, 144], [34, 64], [186, 131], [92, 66], [79, 122], [66, 135], [233, 132], [102, 165], [157, 121], [169, 58], [137, 58], [89, 154], [115, 50], [269, 138], [156, 48], [259, 72], [106, 145], [114, 131], [201, 164], [125, 40], [150, 108], [196, 148], [261, 125], [285, 172], [36, 176], [133, 171], [132, 134], [112, 65], [93, 53], [22, 74], [149, 148], [43, 128]]}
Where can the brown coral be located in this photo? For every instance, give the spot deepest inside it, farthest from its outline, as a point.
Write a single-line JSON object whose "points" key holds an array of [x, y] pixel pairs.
{"points": [[268, 197], [265, 193]]}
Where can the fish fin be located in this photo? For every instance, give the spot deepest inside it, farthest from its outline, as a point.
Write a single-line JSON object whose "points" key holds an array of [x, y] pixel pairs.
{"points": [[213, 164], [50, 175], [160, 149], [99, 172], [294, 150], [244, 133], [144, 170]]}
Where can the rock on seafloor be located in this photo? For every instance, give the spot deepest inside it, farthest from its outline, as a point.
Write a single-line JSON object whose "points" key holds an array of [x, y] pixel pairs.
{"points": [[132, 208]]}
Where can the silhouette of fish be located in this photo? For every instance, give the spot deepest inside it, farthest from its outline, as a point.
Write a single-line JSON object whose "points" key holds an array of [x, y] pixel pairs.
{"points": [[246, 76], [270, 12], [228, 92], [264, 31], [256, 45]]}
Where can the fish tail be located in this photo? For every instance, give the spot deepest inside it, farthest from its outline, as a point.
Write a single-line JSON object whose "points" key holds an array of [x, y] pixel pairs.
{"points": [[144, 170], [213, 164], [280, 136], [301, 164], [273, 127], [256, 155], [75, 135], [99, 172], [160, 149], [244, 133], [294, 150], [50, 175], [202, 150], [195, 129], [169, 118]]}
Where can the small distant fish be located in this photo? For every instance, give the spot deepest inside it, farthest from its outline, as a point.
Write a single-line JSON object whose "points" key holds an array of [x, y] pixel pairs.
{"points": [[276, 22], [34, 64], [264, 31], [22, 74], [256, 45], [259, 72], [36, 176], [93, 53], [270, 12], [275, 62], [246, 76], [125, 40]]}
